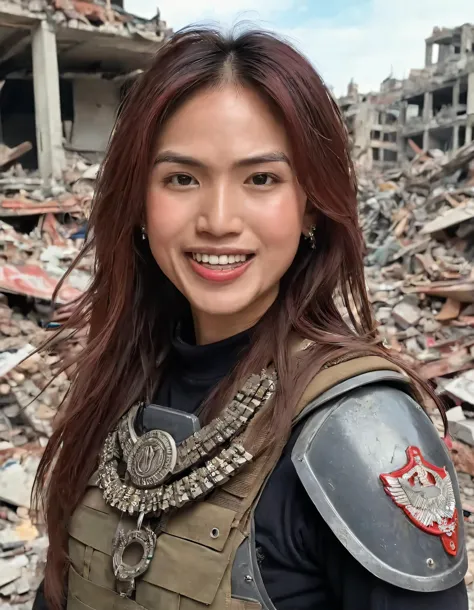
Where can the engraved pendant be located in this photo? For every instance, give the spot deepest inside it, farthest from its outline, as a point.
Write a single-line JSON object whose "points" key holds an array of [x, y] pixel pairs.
{"points": [[152, 459], [125, 573]]}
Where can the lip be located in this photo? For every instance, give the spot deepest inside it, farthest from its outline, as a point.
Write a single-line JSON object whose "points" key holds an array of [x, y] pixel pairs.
{"points": [[218, 250], [217, 275]]}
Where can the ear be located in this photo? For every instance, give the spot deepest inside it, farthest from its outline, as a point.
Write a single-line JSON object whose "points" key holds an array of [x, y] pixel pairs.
{"points": [[309, 218]]}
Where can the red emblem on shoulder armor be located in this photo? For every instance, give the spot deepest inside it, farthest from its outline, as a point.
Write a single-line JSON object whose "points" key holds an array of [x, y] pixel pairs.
{"points": [[425, 493]]}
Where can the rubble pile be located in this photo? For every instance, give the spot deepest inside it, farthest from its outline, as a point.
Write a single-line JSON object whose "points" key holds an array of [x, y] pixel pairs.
{"points": [[23, 545], [419, 229], [42, 229], [28, 403], [23, 191], [418, 224]]}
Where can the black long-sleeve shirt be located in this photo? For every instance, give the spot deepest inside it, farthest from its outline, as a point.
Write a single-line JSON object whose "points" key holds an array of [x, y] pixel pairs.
{"points": [[303, 564]]}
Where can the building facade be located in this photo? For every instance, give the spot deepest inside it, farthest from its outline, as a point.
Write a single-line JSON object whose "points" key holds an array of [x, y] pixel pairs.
{"points": [[372, 123], [432, 109], [437, 109], [64, 67]]}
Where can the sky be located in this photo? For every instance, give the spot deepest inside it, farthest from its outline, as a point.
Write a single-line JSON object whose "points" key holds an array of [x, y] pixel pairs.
{"points": [[366, 40]]}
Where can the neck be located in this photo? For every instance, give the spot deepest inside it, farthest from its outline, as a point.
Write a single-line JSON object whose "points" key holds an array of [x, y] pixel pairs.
{"points": [[218, 328], [210, 328]]}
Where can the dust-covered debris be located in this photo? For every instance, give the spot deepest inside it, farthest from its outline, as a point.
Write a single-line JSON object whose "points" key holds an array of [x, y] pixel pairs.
{"points": [[42, 230], [418, 222]]}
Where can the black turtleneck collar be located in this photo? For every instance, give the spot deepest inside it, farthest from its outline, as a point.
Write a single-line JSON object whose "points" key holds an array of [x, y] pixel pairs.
{"points": [[206, 362], [194, 370]]}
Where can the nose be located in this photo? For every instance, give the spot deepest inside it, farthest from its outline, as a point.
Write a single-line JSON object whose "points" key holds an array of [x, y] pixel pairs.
{"points": [[220, 212]]}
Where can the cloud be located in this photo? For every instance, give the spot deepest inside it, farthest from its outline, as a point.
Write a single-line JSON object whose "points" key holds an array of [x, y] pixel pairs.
{"points": [[389, 37], [179, 13], [365, 42]]}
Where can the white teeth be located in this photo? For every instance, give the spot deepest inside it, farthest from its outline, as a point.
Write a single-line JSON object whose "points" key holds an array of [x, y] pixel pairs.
{"points": [[222, 259]]}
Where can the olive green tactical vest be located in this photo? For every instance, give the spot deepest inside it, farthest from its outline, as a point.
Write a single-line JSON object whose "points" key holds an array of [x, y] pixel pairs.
{"points": [[192, 565]]}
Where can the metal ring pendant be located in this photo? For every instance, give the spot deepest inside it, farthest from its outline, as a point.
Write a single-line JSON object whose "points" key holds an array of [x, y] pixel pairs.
{"points": [[124, 572]]}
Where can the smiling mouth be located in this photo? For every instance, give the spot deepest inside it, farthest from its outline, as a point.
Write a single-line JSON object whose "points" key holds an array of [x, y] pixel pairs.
{"points": [[220, 262]]}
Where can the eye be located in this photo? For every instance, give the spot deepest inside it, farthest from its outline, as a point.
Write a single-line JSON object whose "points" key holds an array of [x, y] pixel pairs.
{"points": [[181, 180], [263, 179]]}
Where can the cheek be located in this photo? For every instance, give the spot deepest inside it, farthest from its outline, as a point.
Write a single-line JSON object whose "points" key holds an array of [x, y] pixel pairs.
{"points": [[165, 220], [281, 223]]}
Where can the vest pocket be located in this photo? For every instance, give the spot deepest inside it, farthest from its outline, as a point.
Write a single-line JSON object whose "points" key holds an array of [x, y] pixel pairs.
{"points": [[75, 604], [204, 523], [155, 598], [83, 594], [93, 528], [189, 569], [192, 555]]}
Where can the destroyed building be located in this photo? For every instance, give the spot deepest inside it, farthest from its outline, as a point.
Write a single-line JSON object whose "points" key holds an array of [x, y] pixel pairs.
{"points": [[432, 109], [437, 109], [64, 66], [372, 122]]}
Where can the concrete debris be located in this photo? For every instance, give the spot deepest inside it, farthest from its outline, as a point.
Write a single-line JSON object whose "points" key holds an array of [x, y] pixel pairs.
{"points": [[87, 14], [420, 254], [406, 312], [462, 387], [418, 222], [42, 229], [16, 482], [23, 544], [459, 426], [7, 154]]}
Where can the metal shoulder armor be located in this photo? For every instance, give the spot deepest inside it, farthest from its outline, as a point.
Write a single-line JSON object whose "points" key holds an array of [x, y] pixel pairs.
{"points": [[377, 471]]}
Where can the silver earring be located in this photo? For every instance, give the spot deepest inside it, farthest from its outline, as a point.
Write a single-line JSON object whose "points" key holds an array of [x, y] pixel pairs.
{"points": [[311, 237], [143, 232]]}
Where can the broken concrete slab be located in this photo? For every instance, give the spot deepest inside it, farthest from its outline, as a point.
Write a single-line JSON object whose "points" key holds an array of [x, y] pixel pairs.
{"points": [[455, 414], [450, 219], [462, 387], [16, 481], [463, 431], [407, 313], [8, 572]]}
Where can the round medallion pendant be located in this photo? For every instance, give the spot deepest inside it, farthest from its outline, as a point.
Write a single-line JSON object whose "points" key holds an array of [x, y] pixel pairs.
{"points": [[127, 573], [152, 458]]}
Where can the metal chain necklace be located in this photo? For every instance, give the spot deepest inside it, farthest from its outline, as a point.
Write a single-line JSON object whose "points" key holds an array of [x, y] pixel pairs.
{"points": [[152, 485]]}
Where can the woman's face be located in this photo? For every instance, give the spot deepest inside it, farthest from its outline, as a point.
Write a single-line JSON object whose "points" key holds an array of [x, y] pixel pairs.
{"points": [[224, 211]]}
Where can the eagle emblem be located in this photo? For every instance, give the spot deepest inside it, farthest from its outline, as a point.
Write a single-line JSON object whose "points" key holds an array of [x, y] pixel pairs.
{"points": [[425, 493]]}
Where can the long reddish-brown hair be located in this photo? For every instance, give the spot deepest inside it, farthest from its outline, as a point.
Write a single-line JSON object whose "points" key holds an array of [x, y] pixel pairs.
{"points": [[132, 307]]}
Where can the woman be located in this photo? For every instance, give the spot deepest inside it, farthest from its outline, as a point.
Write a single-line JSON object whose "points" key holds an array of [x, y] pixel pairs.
{"points": [[235, 435]]}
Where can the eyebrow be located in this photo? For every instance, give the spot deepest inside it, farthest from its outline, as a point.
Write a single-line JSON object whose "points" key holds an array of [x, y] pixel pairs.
{"points": [[169, 156]]}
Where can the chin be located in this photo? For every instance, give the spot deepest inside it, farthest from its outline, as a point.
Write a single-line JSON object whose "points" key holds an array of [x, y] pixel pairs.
{"points": [[215, 305]]}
